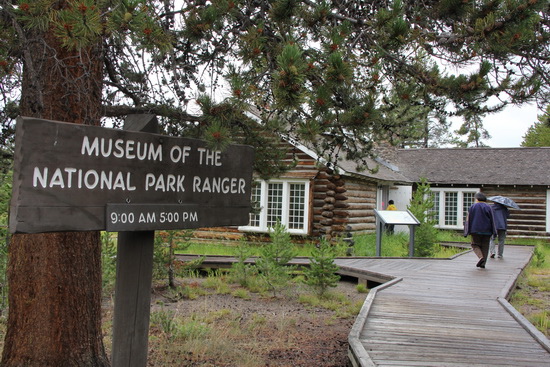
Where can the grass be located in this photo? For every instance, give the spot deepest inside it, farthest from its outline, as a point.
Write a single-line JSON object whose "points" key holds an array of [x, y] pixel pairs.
{"points": [[204, 335], [531, 298], [397, 245], [532, 294], [208, 249]]}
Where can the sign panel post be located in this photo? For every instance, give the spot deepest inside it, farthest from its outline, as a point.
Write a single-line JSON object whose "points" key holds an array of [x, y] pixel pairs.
{"points": [[395, 217], [134, 278]]}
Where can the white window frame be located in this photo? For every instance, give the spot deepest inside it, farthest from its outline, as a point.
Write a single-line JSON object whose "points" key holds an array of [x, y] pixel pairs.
{"points": [[263, 227], [460, 201]]}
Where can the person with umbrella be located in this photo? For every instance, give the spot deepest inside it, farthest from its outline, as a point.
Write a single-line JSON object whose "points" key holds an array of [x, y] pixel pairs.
{"points": [[480, 225], [501, 214]]}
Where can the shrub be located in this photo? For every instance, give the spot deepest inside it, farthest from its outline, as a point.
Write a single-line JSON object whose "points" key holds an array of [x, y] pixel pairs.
{"points": [[420, 206], [108, 262], [321, 273], [165, 265], [272, 263], [241, 272]]}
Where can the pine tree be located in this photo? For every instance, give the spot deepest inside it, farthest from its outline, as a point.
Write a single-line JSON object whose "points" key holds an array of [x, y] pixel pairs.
{"points": [[273, 263], [420, 206], [317, 71], [321, 273], [538, 134]]}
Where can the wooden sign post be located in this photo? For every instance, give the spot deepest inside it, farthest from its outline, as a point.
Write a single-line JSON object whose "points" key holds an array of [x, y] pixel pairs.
{"points": [[134, 277], [70, 177]]}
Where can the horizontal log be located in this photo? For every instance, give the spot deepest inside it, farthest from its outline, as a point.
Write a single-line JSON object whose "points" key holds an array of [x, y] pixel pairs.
{"points": [[337, 220], [328, 207], [327, 214], [320, 188], [341, 204], [361, 206], [339, 229], [361, 226], [330, 199], [321, 181], [361, 194], [340, 190], [341, 213], [326, 222], [361, 220], [319, 195], [319, 202], [361, 213], [364, 200], [323, 175], [360, 186], [341, 197]]}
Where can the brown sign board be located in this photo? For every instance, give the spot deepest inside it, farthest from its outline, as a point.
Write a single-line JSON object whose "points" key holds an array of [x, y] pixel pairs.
{"points": [[72, 177]]}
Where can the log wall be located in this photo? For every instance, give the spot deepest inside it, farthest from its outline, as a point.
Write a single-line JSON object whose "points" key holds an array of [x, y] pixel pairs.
{"points": [[530, 221], [342, 205]]}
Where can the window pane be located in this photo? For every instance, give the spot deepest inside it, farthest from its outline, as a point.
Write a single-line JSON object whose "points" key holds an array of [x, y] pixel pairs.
{"points": [[256, 202], [296, 210], [274, 203], [451, 208], [433, 213], [467, 202]]}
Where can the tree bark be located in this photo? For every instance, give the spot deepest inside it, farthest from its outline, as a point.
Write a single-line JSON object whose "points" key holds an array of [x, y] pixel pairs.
{"points": [[55, 279], [54, 301]]}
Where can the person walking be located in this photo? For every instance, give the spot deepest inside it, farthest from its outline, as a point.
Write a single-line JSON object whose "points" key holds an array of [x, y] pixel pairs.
{"points": [[501, 215], [480, 225]]}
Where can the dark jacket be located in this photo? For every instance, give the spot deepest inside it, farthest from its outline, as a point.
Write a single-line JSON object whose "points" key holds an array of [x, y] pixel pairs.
{"points": [[480, 220], [501, 214]]}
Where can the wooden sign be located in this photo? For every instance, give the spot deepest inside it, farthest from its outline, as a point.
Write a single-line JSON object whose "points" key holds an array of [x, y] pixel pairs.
{"points": [[71, 177]]}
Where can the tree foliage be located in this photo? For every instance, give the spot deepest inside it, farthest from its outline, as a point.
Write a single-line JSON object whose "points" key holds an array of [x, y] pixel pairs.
{"points": [[421, 206], [273, 263], [538, 134], [322, 270], [338, 75]]}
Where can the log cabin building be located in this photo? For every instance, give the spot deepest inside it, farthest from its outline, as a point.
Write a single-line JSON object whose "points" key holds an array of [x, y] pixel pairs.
{"points": [[314, 199], [455, 175]]}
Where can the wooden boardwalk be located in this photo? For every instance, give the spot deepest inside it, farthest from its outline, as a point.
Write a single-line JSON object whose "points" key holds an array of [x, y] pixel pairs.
{"points": [[445, 313], [439, 312]]}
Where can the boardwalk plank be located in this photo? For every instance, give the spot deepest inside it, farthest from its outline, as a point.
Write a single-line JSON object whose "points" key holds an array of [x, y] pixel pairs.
{"points": [[445, 313]]}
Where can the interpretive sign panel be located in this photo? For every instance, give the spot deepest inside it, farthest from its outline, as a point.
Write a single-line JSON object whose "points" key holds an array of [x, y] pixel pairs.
{"points": [[396, 217], [72, 177]]}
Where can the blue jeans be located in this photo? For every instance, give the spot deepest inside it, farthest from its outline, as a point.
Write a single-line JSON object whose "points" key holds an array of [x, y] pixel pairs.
{"points": [[501, 235]]}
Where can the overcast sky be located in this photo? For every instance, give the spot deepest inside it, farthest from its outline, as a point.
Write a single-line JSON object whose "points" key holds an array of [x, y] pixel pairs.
{"points": [[508, 127]]}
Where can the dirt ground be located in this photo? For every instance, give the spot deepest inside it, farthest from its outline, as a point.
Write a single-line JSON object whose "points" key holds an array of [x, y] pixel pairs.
{"points": [[276, 331]]}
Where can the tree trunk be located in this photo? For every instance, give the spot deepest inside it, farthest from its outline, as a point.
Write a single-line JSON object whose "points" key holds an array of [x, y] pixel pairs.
{"points": [[54, 301], [55, 279]]}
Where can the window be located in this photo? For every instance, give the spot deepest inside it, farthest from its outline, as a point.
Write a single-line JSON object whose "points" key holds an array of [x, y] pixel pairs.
{"points": [[434, 211], [451, 206], [279, 200]]}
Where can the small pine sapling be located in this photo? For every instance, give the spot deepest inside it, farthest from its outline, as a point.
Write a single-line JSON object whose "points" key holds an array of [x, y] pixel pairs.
{"points": [[321, 273]]}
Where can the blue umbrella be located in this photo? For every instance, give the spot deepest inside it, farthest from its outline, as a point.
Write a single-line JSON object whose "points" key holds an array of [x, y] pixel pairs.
{"points": [[504, 201]]}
